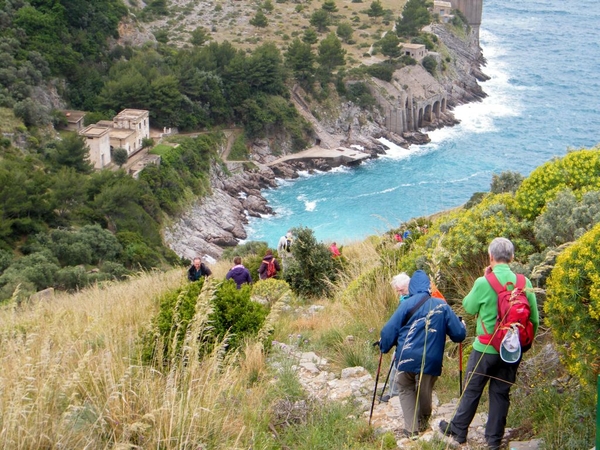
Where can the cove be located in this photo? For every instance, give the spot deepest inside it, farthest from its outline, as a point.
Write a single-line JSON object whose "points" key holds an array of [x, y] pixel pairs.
{"points": [[543, 59]]}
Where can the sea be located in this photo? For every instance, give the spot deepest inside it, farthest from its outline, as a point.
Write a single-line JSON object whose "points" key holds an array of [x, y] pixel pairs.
{"points": [[543, 60]]}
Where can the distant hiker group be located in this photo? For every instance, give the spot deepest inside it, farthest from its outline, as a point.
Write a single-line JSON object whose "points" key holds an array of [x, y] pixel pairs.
{"points": [[507, 319]]}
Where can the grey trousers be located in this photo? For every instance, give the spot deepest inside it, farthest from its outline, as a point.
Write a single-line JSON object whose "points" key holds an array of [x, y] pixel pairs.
{"points": [[501, 376], [415, 398]]}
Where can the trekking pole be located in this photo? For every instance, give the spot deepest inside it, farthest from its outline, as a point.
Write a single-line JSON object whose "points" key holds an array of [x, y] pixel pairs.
{"points": [[376, 381], [388, 376], [460, 371], [460, 366]]}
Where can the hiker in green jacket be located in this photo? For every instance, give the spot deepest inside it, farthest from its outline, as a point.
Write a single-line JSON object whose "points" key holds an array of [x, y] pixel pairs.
{"points": [[485, 363]]}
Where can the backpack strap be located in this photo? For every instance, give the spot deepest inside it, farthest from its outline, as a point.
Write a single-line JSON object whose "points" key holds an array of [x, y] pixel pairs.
{"points": [[494, 282], [414, 309], [498, 287]]}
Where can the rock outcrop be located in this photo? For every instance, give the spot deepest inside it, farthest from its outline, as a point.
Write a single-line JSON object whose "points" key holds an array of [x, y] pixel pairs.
{"points": [[217, 221]]}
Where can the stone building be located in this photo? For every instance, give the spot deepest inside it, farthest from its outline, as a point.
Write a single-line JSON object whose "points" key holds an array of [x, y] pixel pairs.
{"points": [[417, 51], [127, 130], [98, 141], [74, 119], [443, 10], [136, 120]]}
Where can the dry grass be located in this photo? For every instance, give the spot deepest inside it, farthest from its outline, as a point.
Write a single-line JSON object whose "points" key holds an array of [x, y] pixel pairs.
{"points": [[71, 377]]}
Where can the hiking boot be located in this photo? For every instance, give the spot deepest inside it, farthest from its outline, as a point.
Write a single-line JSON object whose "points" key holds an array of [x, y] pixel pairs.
{"points": [[414, 435], [446, 430], [424, 424], [386, 398]]}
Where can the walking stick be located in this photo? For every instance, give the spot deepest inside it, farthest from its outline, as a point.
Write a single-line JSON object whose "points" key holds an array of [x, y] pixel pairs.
{"points": [[376, 381], [460, 363], [388, 376], [460, 371]]}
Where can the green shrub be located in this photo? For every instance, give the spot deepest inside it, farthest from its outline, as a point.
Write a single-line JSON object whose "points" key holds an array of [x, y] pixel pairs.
{"points": [[239, 151], [136, 253], [573, 306], [506, 182], [456, 243], [6, 259], [475, 200], [39, 269], [89, 244], [430, 64], [565, 219], [359, 94], [270, 291], [577, 171], [235, 314], [469, 238], [71, 278], [114, 270], [312, 269], [231, 315], [382, 71], [170, 324], [119, 156]]}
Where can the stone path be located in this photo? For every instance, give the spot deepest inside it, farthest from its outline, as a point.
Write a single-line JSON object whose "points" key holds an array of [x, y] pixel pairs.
{"points": [[355, 383]]}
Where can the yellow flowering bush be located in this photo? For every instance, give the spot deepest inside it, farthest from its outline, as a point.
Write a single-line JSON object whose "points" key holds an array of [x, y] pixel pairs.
{"points": [[457, 242], [573, 306], [270, 291], [577, 170]]}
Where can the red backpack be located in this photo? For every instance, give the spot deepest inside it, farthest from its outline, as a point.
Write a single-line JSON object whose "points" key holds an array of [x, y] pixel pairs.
{"points": [[271, 269], [513, 308]]}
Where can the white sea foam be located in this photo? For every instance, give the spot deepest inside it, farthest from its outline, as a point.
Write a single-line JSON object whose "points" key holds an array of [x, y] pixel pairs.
{"points": [[310, 205], [384, 191], [503, 100], [394, 151]]}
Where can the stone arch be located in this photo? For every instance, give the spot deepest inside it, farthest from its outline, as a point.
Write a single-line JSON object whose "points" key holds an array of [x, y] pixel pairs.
{"points": [[427, 114], [444, 104], [420, 119], [436, 109]]}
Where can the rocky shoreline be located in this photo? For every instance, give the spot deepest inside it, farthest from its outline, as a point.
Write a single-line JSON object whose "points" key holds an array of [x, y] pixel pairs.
{"points": [[217, 221]]}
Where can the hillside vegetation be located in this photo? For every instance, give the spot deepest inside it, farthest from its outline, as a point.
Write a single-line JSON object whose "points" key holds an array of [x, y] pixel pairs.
{"points": [[64, 226], [76, 370]]}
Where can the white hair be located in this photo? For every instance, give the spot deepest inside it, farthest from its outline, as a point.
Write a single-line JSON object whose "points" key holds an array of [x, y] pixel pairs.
{"points": [[401, 280]]}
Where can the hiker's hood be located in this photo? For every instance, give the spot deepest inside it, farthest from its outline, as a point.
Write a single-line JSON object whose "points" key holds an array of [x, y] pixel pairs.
{"points": [[419, 283], [237, 269]]}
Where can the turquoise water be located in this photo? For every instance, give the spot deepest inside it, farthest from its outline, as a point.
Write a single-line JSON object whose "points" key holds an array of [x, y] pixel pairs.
{"points": [[543, 58]]}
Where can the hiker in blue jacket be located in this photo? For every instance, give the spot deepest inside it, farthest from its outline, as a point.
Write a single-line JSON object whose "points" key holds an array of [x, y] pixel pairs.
{"points": [[419, 328]]}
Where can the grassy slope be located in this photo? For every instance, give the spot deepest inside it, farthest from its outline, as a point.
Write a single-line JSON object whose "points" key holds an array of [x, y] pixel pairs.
{"points": [[70, 374], [229, 21]]}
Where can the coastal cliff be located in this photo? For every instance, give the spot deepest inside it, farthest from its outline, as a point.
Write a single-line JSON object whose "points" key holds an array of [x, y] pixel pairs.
{"points": [[217, 221]]}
